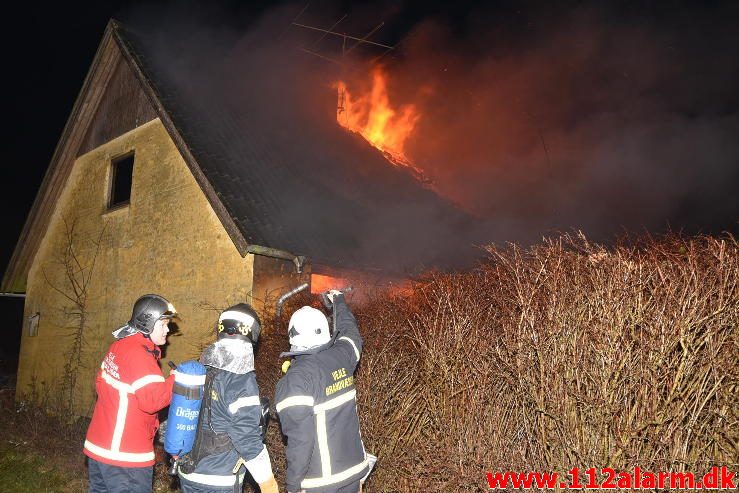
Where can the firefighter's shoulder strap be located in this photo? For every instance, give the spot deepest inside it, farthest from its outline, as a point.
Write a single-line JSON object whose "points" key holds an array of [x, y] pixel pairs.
{"points": [[207, 441]]}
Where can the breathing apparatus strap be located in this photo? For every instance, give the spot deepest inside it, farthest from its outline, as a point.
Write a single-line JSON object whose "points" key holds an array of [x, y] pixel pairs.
{"points": [[237, 468], [207, 441], [190, 393]]}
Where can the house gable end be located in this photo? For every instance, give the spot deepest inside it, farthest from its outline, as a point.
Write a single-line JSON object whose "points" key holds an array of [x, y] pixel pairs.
{"points": [[94, 260], [123, 107], [233, 230], [114, 84]]}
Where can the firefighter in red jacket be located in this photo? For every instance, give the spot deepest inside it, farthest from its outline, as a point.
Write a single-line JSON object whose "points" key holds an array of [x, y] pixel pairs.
{"points": [[131, 390]]}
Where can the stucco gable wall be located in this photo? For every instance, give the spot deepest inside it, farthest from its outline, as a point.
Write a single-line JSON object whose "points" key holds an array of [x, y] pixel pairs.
{"points": [[167, 241]]}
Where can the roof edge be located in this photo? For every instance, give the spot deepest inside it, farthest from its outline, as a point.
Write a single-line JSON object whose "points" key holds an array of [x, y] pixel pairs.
{"points": [[236, 235], [14, 277]]}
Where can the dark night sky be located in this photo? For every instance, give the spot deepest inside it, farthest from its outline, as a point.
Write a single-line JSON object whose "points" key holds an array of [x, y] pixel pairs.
{"points": [[48, 49]]}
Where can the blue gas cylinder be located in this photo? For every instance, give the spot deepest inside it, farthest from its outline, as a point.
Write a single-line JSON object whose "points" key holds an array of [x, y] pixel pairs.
{"points": [[187, 394]]}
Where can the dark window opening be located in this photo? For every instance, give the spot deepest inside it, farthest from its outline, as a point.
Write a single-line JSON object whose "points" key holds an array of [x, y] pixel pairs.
{"points": [[121, 180]]}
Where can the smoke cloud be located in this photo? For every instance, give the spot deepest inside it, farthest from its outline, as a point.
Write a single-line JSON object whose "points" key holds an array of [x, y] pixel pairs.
{"points": [[586, 122], [532, 119]]}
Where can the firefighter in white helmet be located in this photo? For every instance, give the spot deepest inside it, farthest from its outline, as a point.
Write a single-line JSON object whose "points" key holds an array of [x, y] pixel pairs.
{"points": [[316, 402], [231, 427]]}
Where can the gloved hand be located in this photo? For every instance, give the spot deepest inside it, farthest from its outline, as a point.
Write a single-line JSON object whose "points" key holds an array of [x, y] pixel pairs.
{"points": [[328, 298], [260, 468], [333, 294], [269, 486]]}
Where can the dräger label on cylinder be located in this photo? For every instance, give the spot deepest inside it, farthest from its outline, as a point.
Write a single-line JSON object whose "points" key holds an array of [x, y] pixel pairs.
{"points": [[187, 413]]}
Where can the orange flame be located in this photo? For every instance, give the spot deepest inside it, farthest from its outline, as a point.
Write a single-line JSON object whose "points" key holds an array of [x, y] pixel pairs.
{"points": [[321, 283], [372, 116]]}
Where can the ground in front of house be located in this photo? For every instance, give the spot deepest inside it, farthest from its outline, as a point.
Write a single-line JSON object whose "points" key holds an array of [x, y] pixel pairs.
{"points": [[41, 452]]}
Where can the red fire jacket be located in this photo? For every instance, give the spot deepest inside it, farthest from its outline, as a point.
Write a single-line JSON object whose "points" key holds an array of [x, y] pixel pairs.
{"points": [[131, 390]]}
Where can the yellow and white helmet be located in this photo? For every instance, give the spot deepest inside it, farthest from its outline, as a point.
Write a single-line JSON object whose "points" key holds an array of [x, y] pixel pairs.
{"points": [[239, 322]]}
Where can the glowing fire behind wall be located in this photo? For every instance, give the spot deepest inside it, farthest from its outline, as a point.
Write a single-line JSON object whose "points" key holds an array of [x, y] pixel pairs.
{"points": [[371, 115], [320, 283]]}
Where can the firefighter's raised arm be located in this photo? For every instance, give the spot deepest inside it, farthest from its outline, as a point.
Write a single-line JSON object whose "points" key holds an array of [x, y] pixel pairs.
{"points": [[347, 330]]}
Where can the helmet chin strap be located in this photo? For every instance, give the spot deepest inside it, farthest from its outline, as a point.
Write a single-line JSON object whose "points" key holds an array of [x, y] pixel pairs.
{"points": [[125, 331]]}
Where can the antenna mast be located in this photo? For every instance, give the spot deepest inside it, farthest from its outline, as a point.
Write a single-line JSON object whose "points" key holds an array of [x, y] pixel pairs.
{"points": [[345, 38]]}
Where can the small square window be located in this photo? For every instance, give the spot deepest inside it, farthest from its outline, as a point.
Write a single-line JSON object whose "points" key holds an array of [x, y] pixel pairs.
{"points": [[121, 178]]}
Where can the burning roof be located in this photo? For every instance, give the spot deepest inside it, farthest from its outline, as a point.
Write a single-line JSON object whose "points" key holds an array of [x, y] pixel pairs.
{"points": [[287, 173]]}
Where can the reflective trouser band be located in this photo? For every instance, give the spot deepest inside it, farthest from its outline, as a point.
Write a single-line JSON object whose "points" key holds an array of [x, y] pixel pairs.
{"points": [[117, 455], [212, 479], [334, 478]]}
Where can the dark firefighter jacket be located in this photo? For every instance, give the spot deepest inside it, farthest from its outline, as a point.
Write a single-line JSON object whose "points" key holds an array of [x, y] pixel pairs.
{"points": [[316, 404], [235, 410]]}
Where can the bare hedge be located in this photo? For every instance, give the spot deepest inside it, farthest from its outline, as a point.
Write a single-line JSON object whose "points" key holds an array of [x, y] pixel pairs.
{"points": [[565, 354]]}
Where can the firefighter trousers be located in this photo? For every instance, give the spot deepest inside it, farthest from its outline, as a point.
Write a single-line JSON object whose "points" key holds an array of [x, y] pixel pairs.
{"points": [[349, 488], [105, 478]]}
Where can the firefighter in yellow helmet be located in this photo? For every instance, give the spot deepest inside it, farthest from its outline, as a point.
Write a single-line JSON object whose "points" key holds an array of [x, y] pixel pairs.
{"points": [[231, 423]]}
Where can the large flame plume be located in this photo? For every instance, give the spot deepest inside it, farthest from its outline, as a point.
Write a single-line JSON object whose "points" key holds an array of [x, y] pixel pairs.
{"points": [[371, 115]]}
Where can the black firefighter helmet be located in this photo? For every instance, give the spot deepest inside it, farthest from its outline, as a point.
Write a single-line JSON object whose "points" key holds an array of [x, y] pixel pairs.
{"points": [[148, 310], [239, 322]]}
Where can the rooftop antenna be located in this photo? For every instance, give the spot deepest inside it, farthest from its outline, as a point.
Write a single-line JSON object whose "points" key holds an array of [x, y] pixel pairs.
{"points": [[348, 44], [344, 37]]}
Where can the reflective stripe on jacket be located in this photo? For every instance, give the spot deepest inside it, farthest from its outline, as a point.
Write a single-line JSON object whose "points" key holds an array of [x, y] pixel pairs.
{"points": [[316, 404], [130, 391], [235, 409]]}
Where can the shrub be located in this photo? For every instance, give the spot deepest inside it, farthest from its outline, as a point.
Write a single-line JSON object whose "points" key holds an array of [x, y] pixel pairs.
{"points": [[565, 354]]}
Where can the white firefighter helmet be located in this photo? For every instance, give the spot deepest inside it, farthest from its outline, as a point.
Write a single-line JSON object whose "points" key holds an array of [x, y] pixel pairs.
{"points": [[308, 328]]}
